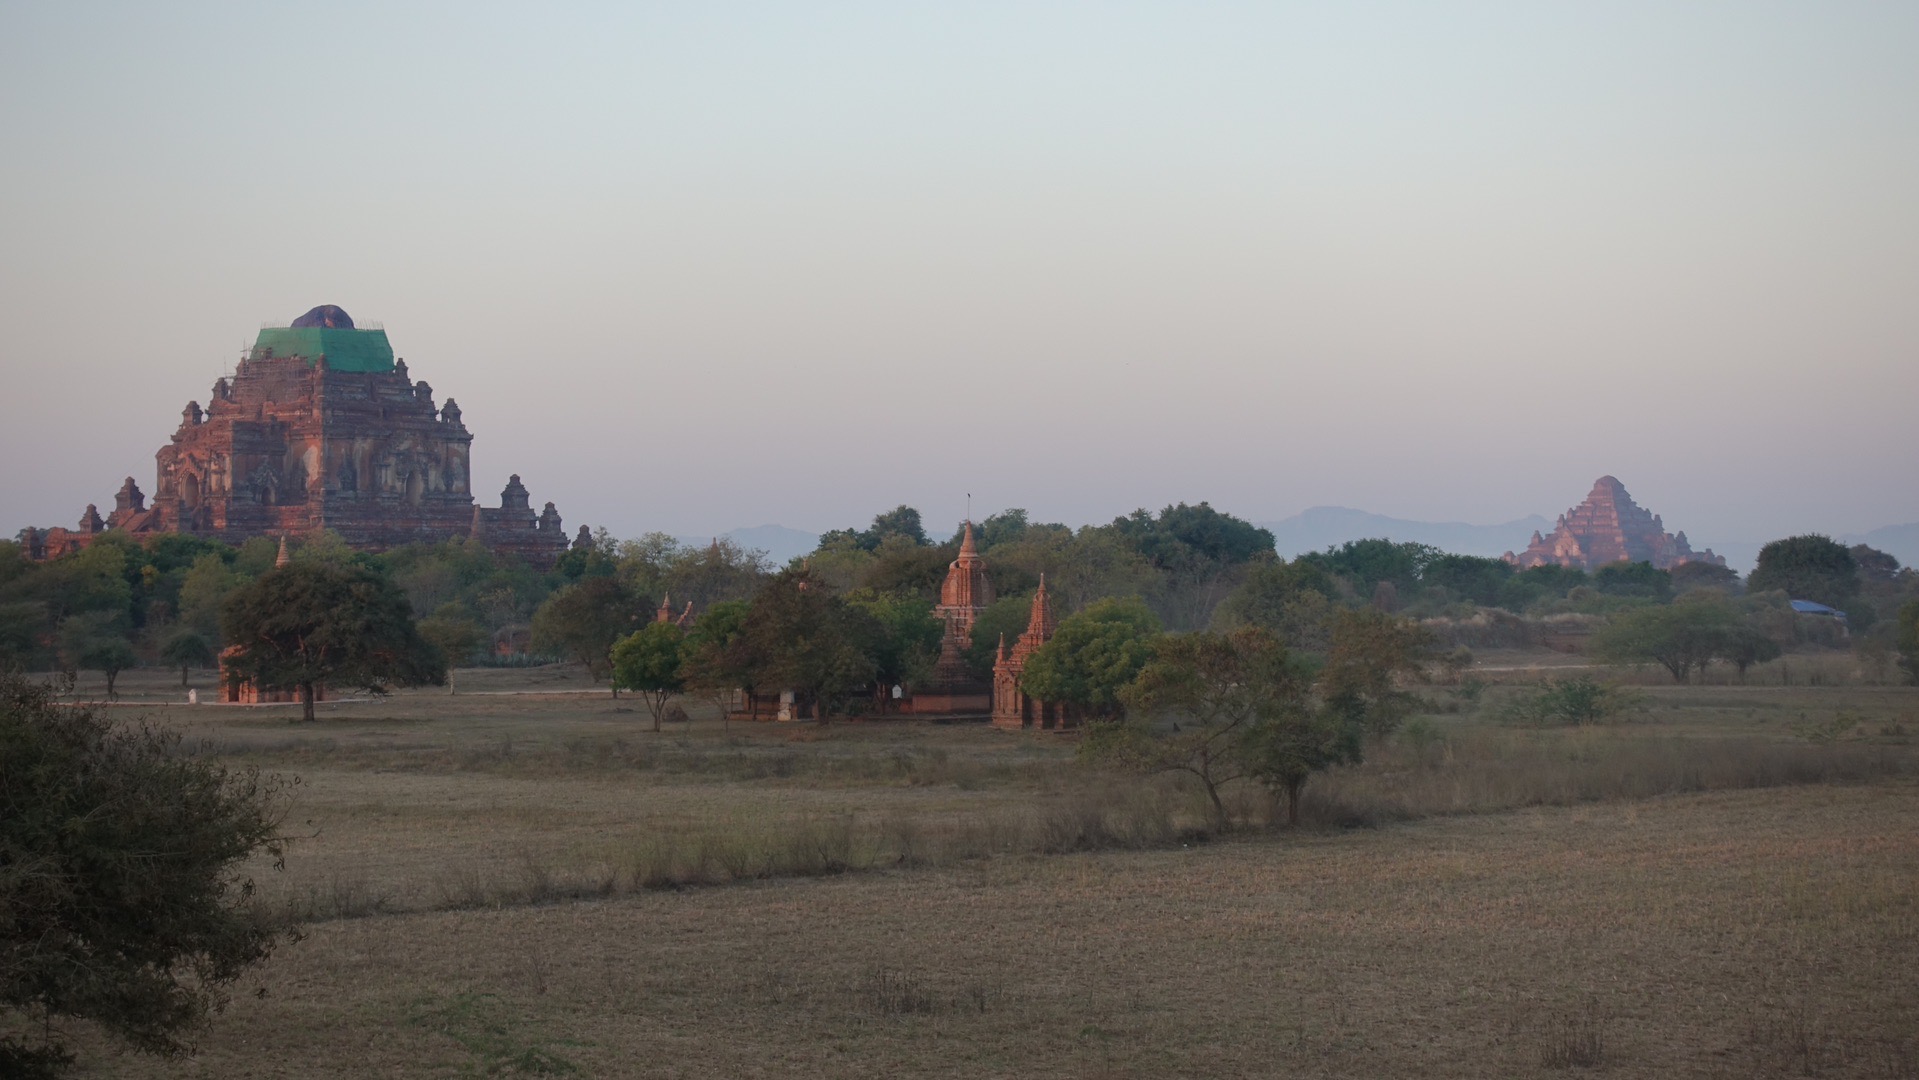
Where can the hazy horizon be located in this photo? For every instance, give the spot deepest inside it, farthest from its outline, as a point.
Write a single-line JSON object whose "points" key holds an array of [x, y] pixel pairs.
{"points": [[696, 269]]}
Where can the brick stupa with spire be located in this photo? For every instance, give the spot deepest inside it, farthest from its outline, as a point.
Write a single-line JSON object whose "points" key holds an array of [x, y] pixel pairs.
{"points": [[1013, 707], [955, 690]]}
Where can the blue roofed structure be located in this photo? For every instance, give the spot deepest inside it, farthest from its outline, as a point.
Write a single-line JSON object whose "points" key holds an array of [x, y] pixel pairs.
{"points": [[1811, 607]]}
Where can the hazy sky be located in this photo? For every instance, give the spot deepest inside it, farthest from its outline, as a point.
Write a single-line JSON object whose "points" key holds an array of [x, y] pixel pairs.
{"points": [[691, 267]]}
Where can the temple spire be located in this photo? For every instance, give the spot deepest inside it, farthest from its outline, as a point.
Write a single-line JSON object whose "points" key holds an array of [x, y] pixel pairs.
{"points": [[282, 558], [1041, 624]]}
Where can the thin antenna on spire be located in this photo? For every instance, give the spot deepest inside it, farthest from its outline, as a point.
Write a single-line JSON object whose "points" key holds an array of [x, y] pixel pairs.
{"points": [[969, 506]]}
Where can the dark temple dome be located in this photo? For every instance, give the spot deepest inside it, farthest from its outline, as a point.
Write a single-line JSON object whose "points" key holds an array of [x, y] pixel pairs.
{"points": [[327, 316]]}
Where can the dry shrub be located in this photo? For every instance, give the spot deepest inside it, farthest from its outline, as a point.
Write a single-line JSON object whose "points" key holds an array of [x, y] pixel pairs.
{"points": [[489, 1029], [1130, 815], [906, 835], [340, 896], [738, 851], [463, 887], [821, 846], [885, 990], [1575, 1038], [894, 992]]}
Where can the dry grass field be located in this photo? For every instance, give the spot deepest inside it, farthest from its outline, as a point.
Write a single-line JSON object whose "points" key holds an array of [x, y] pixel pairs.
{"points": [[1725, 883]]}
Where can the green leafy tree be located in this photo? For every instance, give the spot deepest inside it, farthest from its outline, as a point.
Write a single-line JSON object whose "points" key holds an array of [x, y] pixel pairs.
{"points": [[648, 661], [1703, 575], [1198, 555], [93, 580], [583, 621], [171, 552], [900, 566], [97, 641], [1094, 564], [1006, 527], [659, 565], [717, 572], [1682, 638], [1371, 653], [15, 566], [799, 636], [1551, 581], [1366, 563], [1299, 742], [1634, 579], [454, 632], [1908, 640], [1003, 620], [256, 556], [330, 548], [1186, 535], [166, 560], [122, 897], [431, 575], [601, 558], [646, 565], [1238, 706], [1873, 564], [186, 649], [1748, 645], [1224, 692], [1469, 577], [323, 622], [1093, 656], [709, 664], [203, 592], [21, 625], [1810, 567], [902, 522], [904, 641], [1577, 701], [1275, 593]]}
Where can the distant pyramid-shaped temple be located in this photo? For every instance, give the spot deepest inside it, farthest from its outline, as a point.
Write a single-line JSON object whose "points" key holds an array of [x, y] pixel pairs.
{"points": [[1608, 528]]}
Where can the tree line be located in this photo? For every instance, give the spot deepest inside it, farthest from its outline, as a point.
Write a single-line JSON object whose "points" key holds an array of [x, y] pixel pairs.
{"points": [[121, 603]]}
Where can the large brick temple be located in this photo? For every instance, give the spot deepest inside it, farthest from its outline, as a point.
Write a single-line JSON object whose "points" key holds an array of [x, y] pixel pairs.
{"points": [[320, 427], [1608, 528]]}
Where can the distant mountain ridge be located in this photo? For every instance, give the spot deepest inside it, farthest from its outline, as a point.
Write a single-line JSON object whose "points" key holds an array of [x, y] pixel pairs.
{"points": [[1329, 526]]}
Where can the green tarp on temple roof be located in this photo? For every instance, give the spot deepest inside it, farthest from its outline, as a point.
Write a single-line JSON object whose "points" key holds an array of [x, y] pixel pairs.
{"points": [[345, 350]]}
